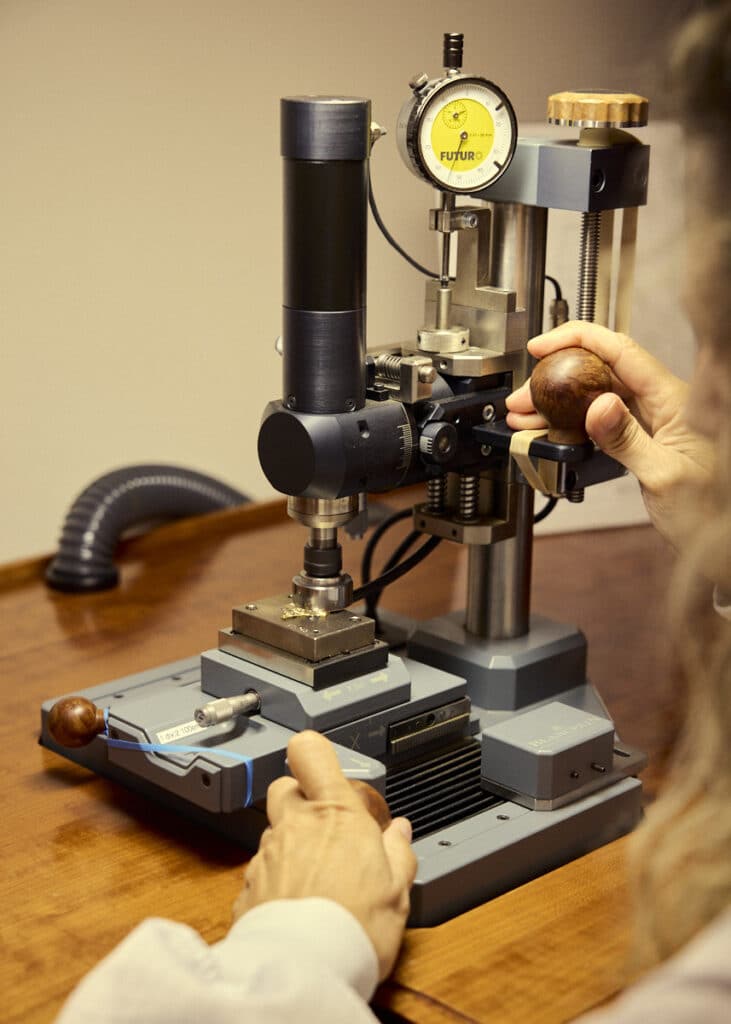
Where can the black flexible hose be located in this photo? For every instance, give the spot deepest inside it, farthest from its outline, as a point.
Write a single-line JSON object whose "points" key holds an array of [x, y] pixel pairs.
{"points": [[127, 497]]}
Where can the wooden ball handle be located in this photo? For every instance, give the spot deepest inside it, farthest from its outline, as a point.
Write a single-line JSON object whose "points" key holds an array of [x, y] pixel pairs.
{"points": [[376, 805], [75, 721], [563, 386]]}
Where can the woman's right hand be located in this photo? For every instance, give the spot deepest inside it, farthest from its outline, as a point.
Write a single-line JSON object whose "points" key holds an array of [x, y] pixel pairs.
{"points": [[323, 842], [649, 435]]}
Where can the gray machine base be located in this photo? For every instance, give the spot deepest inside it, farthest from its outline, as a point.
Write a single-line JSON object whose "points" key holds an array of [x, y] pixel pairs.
{"points": [[461, 864]]}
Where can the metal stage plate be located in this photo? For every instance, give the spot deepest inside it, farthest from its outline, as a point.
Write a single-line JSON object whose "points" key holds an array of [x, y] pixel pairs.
{"points": [[470, 844]]}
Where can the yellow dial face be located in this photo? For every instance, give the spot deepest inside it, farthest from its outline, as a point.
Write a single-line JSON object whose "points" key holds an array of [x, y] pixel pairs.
{"points": [[462, 136], [466, 135]]}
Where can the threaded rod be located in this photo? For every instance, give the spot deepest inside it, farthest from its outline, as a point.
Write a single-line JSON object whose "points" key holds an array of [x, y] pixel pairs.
{"points": [[588, 265]]}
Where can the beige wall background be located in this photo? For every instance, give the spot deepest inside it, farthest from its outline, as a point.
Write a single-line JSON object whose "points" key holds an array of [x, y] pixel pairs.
{"points": [[140, 208]]}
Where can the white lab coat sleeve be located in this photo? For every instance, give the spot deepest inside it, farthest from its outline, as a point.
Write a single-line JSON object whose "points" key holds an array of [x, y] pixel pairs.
{"points": [[307, 960], [722, 603]]}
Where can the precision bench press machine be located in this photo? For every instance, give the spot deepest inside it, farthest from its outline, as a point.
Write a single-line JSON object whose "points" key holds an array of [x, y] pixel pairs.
{"points": [[480, 726]]}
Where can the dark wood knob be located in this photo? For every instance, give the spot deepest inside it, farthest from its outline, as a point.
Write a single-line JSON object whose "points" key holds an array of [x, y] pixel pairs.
{"points": [[377, 806], [75, 721], [563, 386]]}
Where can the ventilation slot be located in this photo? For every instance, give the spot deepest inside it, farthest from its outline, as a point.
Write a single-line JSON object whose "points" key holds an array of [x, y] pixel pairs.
{"points": [[439, 791]]}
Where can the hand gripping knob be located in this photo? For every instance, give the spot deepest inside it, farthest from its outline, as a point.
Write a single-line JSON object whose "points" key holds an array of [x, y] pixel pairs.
{"points": [[598, 109], [563, 386], [75, 721]]}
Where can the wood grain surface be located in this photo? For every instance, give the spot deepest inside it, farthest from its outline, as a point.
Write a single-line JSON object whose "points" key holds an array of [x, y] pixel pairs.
{"points": [[84, 860]]}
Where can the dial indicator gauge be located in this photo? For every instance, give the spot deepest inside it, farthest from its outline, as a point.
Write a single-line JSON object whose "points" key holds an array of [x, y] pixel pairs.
{"points": [[465, 134]]}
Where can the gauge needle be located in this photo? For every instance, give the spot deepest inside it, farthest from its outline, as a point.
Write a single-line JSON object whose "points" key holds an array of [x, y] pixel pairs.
{"points": [[462, 139]]}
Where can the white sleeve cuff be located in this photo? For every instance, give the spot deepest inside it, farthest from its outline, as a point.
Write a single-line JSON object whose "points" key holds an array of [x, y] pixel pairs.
{"points": [[722, 603], [313, 929]]}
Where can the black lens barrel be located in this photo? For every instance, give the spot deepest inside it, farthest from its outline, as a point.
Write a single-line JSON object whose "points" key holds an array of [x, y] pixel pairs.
{"points": [[325, 146]]}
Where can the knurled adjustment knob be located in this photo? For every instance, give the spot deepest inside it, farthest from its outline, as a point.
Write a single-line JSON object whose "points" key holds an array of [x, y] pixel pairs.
{"points": [[438, 442], [598, 109]]}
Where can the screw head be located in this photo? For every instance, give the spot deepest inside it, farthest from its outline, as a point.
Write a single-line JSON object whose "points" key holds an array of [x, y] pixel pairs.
{"points": [[251, 607], [488, 413], [485, 449]]}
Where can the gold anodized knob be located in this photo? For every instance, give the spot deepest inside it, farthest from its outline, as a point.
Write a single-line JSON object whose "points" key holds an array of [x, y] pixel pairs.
{"points": [[598, 109]]}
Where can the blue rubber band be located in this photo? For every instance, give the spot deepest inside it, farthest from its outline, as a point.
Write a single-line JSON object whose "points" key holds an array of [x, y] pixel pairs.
{"points": [[173, 748]]}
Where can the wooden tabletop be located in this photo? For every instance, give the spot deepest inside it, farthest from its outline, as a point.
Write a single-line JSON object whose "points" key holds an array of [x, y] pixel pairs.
{"points": [[84, 860]]}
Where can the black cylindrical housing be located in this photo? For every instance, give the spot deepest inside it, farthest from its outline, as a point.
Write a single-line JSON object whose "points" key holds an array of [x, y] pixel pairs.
{"points": [[373, 449], [325, 145]]}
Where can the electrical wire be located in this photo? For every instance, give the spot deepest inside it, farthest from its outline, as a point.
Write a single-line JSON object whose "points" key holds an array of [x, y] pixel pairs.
{"points": [[556, 286], [397, 571], [546, 510], [404, 547], [367, 560], [389, 237]]}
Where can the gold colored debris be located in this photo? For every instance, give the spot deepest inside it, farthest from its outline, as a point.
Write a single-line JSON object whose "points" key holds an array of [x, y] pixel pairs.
{"points": [[298, 611]]}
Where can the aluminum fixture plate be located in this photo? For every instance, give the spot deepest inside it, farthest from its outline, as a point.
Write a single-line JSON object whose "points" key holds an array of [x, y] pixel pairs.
{"points": [[317, 674], [313, 637]]}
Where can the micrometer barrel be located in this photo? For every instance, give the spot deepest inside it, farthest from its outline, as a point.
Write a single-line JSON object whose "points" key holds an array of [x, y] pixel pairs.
{"points": [[325, 146]]}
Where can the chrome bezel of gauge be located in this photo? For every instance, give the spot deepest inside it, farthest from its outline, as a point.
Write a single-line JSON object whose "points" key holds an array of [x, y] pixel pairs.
{"points": [[421, 103]]}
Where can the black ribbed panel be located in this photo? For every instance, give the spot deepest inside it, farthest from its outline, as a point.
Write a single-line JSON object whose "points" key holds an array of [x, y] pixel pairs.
{"points": [[440, 790]]}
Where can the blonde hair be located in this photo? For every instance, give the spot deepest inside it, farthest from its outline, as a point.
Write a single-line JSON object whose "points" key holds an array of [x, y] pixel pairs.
{"points": [[681, 856]]}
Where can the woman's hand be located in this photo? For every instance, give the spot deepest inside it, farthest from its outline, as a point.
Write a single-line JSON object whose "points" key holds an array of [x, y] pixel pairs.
{"points": [[649, 435], [323, 842]]}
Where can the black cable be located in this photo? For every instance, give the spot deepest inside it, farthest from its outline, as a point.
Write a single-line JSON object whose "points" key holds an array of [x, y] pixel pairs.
{"points": [[395, 517], [398, 570], [556, 287], [546, 510], [389, 237], [407, 543]]}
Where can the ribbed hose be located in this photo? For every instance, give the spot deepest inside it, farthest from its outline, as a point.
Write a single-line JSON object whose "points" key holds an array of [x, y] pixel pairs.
{"points": [[117, 501]]}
